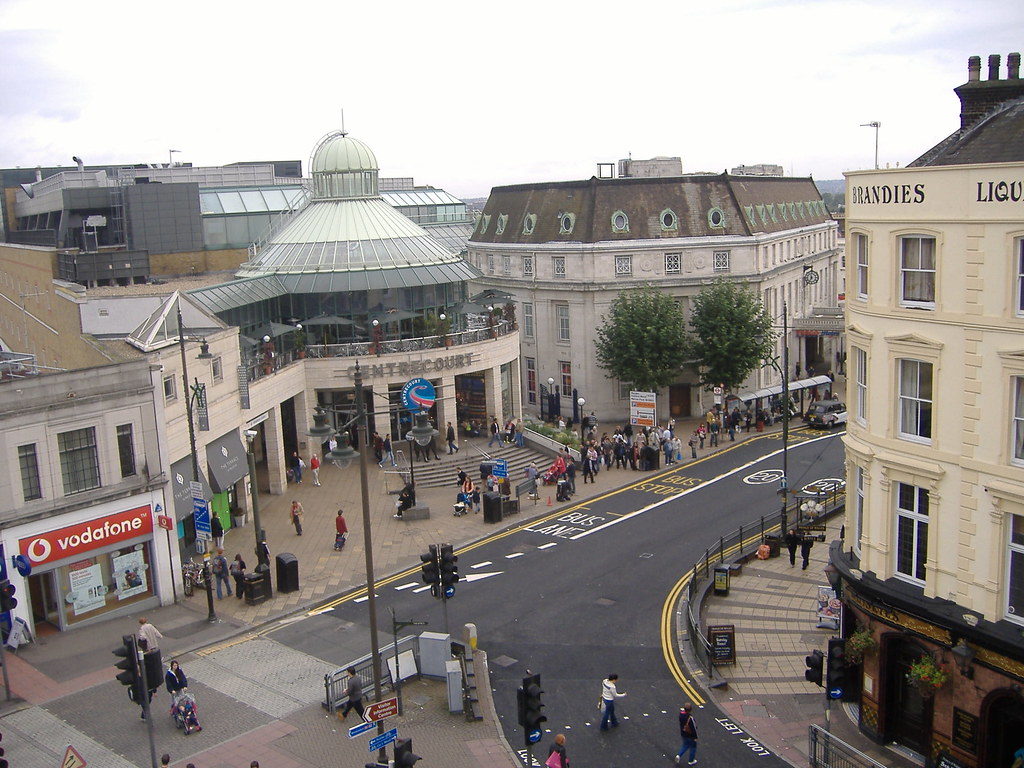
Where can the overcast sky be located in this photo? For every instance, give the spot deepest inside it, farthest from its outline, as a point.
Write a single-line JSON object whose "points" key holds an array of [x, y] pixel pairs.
{"points": [[466, 96]]}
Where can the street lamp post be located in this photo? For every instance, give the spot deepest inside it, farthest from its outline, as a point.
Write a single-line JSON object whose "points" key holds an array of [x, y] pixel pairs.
{"points": [[784, 373], [191, 393], [421, 434], [876, 125], [344, 452], [551, 397], [262, 558]]}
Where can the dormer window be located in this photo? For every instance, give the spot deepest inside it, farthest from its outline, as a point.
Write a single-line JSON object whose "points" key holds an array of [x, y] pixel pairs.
{"points": [[620, 222], [565, 223], [529, 223], [502, 222], [716, 218], [669, 221]]}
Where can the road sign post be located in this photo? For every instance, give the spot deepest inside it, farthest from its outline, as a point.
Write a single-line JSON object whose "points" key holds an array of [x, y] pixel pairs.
{"points": [[381, 741]]}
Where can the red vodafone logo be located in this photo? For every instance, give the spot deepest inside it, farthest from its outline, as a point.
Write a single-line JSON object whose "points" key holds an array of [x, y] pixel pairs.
{"points": [[75, 540]]}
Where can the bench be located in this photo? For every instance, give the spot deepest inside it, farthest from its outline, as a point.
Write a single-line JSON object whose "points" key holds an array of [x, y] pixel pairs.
{"points": [[416, 513]]}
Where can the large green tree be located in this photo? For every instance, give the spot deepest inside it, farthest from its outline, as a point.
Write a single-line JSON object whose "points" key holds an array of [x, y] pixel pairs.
{"points": [[642, 339], [732, 334]]}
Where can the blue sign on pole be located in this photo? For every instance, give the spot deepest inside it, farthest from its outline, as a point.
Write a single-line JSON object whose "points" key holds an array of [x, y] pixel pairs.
{"points": [[418, 395], [201, 515], [379, 742], [356, 730], [501, 468], [834, 693]]}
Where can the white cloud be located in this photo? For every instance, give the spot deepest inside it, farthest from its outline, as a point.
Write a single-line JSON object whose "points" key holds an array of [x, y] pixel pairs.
{"points": [[467, 97]]}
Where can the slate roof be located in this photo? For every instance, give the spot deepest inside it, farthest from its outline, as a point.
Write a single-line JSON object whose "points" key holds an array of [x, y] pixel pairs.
{"points": [[747, 204], [996, 138]]}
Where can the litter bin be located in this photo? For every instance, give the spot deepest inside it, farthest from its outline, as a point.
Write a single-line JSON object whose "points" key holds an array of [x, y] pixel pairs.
{"points": [[774, 544], [721, 580], [492, 507], [486, 469], [255, 587], [287, 572]]}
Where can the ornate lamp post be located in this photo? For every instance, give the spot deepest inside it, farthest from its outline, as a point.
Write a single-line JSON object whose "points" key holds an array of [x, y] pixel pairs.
{"points": [[421, 434]]}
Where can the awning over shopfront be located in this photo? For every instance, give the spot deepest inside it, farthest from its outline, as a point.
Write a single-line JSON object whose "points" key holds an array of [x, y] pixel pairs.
{"points": [[181, 476], [227, 460], [794, 386]]}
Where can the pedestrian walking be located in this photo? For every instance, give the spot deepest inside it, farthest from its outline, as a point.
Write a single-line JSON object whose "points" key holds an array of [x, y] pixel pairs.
{"points": [[556, 753], [237, 571], [165, 760], [340, 530], [355, 695], [609, 693], [495, 432], [378, 448], [314, 466], [692, 442], [216, 530], [806, 542], [688, 730], [449, 437], [792, 542], [175, 679], [296, 513], [220, 572], [297, 466], [520, 437], [149, 633], [389, 454]]}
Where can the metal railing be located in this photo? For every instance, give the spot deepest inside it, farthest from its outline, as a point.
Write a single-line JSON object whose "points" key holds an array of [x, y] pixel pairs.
{"points": [[336, 681], [827, 751]]}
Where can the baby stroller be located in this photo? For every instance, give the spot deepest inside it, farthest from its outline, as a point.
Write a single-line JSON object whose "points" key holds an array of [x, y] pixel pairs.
{"points": [[563, 490], [554, 472], [183, 709]]}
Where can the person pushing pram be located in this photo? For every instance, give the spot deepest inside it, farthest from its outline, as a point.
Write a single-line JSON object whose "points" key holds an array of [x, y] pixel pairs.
{"points": [[183, 703]]}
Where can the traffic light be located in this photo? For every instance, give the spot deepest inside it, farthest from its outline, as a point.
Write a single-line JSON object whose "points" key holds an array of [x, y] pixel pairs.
{"points": [[430, 568], [838, 668], [815, 667], [7, 592], [129, 666], [154, 665], [404, 757], [532, 709], [3, 763], [449, 570]]}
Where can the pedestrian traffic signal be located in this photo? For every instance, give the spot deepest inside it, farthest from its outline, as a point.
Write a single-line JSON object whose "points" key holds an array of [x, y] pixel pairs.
{"points": [[532, 709], [3, 763], [404, 757], [430, 568], [815, 667], [838, 668], [153, 663], [7, 592], [129, 666], [449, 570]]}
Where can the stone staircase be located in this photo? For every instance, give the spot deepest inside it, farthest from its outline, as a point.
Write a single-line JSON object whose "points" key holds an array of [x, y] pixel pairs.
{"points": [[472, 452]]}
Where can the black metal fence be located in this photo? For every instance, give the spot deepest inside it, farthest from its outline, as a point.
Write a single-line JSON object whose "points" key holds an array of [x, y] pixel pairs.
{"points": [[827, 751]]}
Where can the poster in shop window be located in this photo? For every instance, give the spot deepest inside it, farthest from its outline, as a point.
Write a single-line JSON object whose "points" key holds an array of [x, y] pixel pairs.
{"points": [[87, 590], [130, 574]]}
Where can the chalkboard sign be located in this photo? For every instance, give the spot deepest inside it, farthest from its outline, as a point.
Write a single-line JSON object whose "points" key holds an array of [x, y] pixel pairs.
{"points": [[965, 731], [723, 644]]}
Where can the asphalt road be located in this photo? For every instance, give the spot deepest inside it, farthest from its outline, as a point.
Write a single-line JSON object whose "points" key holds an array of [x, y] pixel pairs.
{"points": [[591, 590]]}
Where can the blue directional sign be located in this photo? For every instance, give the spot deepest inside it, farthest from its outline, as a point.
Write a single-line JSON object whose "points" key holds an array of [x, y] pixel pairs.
{"points": [[201, 515], [500, 468], [362, 728], [534, 735], [379, 742], [835, 693]]}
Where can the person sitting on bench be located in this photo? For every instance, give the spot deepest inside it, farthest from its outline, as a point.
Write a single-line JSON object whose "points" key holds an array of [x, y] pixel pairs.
{"points": [[406, 499]]}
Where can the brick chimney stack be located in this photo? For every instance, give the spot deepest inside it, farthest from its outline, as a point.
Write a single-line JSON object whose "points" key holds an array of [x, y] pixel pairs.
{"points": [[979, 97]]}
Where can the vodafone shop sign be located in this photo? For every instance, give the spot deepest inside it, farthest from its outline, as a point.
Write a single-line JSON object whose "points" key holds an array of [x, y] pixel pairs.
{"points": [[76, 540]]}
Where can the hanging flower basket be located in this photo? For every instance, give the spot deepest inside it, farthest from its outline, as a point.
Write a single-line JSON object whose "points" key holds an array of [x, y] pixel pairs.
{"points": [[927, 676], [860, 644]]}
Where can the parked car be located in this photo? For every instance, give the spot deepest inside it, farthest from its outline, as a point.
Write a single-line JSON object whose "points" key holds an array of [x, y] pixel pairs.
{"points": [[825, 414]]}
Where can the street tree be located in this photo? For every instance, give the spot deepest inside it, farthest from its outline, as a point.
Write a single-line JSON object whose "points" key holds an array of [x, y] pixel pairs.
{"points": [[642, 340], [732, 334]]}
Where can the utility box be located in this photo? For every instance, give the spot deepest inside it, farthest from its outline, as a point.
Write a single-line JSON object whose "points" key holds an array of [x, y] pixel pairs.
{"points": [[287, 572], [435, 652], [453, 674]]}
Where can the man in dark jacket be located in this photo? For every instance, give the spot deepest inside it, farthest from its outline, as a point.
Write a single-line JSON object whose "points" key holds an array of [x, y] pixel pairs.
{"points": [[688, 730], [450, 438]]}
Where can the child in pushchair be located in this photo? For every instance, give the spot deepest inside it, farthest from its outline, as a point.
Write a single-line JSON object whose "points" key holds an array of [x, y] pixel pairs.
{"points": [[183, 708]]}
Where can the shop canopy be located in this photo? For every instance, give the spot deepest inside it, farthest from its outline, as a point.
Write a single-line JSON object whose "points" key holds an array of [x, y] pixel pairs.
{"points": [[794, 387], [227, 460], [181, 476]]}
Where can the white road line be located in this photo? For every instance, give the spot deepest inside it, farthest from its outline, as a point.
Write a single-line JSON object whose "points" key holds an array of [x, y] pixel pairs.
{"points": [[514, 554], [410, 585], [484, 564], [701, 486], [552, 544]]}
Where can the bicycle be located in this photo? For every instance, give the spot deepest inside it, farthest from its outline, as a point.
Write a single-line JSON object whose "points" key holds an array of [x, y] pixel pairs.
{"points": [[191, 574]]}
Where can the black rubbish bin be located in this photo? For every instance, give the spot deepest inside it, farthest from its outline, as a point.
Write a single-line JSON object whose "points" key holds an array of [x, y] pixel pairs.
{"points": [[774, 545], [287, 572], [486, 469], [492, 507], [721, 580], [255, 588]]}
